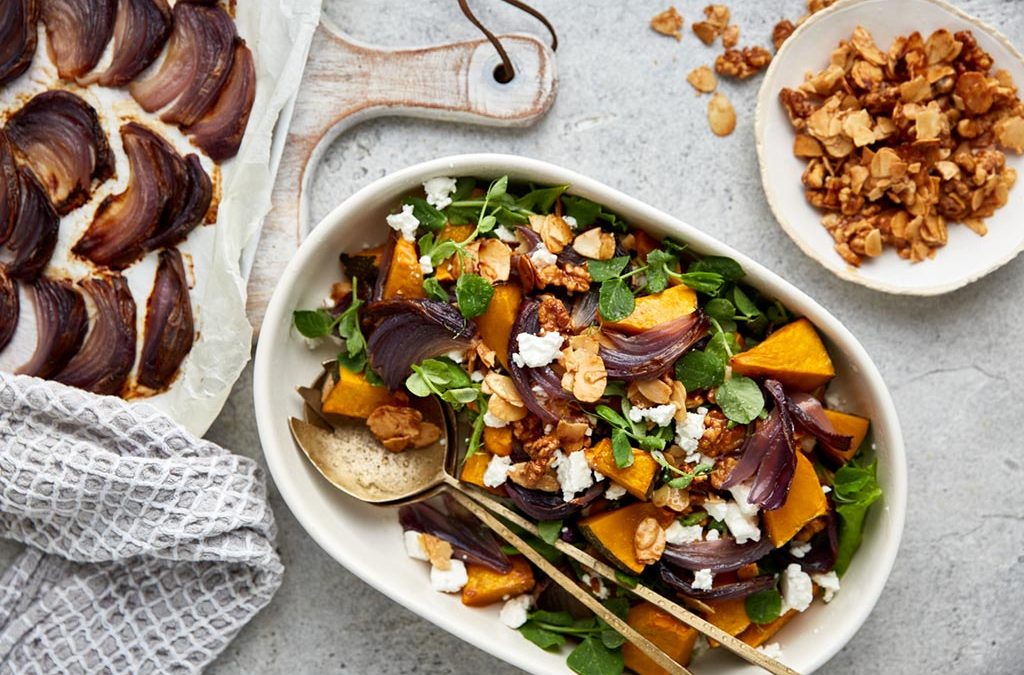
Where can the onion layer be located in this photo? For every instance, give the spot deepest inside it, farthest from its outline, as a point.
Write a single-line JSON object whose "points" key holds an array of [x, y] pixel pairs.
{"points": [[810, 416], [108, 353], [723, 555], [59, 136], [219, 132], [538, 387], [9, 308], [77, 32], [652, 353], [170, 330], [550, 505], [738, 589], [35, 232], [141, 28], [61, 324], [9, 188], [17, 37], [410, 331], [199, 57], [471, 544]]}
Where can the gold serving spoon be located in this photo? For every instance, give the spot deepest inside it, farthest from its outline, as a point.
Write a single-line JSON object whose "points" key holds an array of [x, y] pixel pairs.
{"points": [[349, 457]]}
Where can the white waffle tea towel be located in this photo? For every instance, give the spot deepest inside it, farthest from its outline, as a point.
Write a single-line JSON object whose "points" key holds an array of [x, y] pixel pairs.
{"points": [[147, 549]]}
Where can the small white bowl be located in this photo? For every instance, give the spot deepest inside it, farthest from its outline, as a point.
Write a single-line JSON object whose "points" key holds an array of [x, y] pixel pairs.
{"points": [[967, 257], [367, 539]]}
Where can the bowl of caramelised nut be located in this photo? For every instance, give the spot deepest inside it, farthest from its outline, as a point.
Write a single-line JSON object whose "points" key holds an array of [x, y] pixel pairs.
{"points": [[890, 136]]}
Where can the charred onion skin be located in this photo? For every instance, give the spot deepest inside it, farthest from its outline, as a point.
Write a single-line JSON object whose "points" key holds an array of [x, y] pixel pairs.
{"points": [[59, 136], [654, 352], [470, 541], [219, 132], [199, 57], [106, 357], [35, 232], [10, 190], [77, 32], [166, 198], [9, 308], [550, 505], [141, 29], [170, 329], [530, 381], [18, 20], [738, 589], [61, 321], [721, 555]]}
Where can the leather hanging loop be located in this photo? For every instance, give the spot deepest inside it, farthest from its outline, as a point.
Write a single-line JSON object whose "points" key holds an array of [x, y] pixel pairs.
{"points": [[506, 71]]}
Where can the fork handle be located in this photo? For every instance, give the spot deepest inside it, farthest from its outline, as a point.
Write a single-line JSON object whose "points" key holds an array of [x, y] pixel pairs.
{"points": [[646, 646]]}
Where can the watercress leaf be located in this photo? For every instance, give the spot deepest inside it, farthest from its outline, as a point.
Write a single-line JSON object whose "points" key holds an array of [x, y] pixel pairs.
{"points": [[425, 243], [764, 606], [700, 370], [442, 252], [429, 217], [615, 300], [372, 377], [705, 282], [674, 247], [723, 346], [603, 270], [611, 638], [611, 417], [627, 580], [727, 268], [650, 443], [463, 395], [720, 309], [509, 549], [434, 290], [592, 657], [541, 200], [463, 188], [693, 518], [541, 637], [621, 449], [417, 385], [437, 371], [355, 364], [744, 303], [487, 224], [583, 210], [615, 388], [498, 189], [552, 618], [462, 215], [549, 530], [658, 265], [313, 323], [473, 294], [740, 399], [682, 482], [855, 489]]}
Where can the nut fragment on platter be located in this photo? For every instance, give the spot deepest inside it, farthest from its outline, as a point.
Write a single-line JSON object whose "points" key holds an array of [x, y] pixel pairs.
{"points": [[669, 23], [731, 36], [742, 63], [781, 32], [721, 115], [717, 20], [399, 428], [703, 79], [649, 541]]}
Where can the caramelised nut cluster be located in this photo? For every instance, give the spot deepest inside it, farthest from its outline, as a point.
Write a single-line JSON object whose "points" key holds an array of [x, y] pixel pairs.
{"points": [[900, 143]]}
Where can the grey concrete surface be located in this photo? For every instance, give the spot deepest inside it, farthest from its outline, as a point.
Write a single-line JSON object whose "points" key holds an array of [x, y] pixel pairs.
{"points": [[626, 116]]}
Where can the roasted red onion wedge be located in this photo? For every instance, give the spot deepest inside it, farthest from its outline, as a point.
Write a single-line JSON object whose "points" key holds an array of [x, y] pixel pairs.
{"points": [[471, 544], [170, 330], [550, 505], [196, 192], [199, 57], [809, 415], [538, 387], [9, 308], [738, 589], [61, 324], [219, 132], [141, 29], [77, 32], [108, 353], [9, 188], [722, 555], [652, 353], [60, 137], [17, 37], [28, 249]]}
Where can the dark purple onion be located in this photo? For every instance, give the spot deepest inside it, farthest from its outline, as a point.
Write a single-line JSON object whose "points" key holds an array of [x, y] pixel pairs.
{"points": [[529, 380], [219, 132], [738, 589], [10, 188], [77, 32], [9, 308], [196, 190], [550, 505], [141, 28], [17, 37], [584, 310], [384, 269], [723, 555], [531, 238], [472, 544], [35, 232], [170, 330], [569, 256], [61, 324], [808, 414], [410, 331], [652, 353]]}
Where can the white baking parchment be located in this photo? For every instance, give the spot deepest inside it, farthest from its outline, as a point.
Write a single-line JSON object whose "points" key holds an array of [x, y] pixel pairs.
{"points": [[279, 34]]}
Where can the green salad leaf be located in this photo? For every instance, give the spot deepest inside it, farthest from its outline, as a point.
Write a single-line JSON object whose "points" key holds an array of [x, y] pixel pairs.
{"points": [[740, 399], [855, 488], [592, 657], [429, 217], [473, 294], [764, 606], [549, 530]]}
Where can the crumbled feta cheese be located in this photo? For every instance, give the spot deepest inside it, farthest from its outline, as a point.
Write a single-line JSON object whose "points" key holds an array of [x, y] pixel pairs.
{"points": [[677, 533], [426, 266], [542, 257], [743, 526], [702, 579], [570, 221], [513, 612], [477, 376], [497, 470], [826, 489], [596, 586], [573, 472], [772, 650], [661, 415], [798, 549], [414, 545], [829, 582], [451, 580], [741, 494], [456, 355], [797, 589], [690, 431], [439, 191], [494, 422], [506, 235], [404, 222], [537, 350], [713, 535], [614, 491]]}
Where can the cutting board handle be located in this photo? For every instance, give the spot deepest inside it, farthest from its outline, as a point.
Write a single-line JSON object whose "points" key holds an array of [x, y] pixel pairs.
{"points": [[346, 83]]}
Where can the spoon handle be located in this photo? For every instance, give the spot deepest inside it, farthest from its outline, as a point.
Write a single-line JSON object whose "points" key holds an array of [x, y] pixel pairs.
{"points": [[556, 575], [733, 644]]}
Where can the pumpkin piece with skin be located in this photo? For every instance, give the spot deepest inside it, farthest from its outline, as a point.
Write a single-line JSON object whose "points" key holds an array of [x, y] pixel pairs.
{"points": [[794, 355], [846, 424], [729, 615], [486, 587], [495, 324], [405, 278], [353, 396], [612, 532], [498, 441], [757, 634], [805, 502], [668, 633], [654, 310], [637, 478]]}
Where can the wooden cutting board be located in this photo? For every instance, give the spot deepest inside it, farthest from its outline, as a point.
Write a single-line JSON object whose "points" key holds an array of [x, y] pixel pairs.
{"points": [[346, 82]]}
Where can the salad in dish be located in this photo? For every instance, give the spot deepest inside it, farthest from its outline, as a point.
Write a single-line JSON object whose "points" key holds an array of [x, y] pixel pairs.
{"points": [[631, 396]]}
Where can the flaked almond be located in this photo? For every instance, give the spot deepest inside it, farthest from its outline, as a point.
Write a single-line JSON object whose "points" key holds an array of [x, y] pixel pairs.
{"points": [[503, 386], [572, 434], [679, 399], [1010, 133], [495, 261], [928, 124], [655, 391], [731, 36], [976, 92], [595, 243], [866, 47], [916, 90], [505, 411], [703, 79], [857, 125], [947, 169], [669, 23], [806, 146], [873, 243], [721, 115], [705, 31], [671, 498], [487, 355], [554, 232], [439, 552], [648, 541]]}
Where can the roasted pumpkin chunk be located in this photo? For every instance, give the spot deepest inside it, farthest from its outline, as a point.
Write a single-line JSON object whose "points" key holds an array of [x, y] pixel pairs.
{"points": [[848, 425], [353, 396], [612, 532], [637, 478], [805, 502], [670, 635], [757, 634], [729, 615], [653, 310], [473, 469], [495, 325], [498, 441], [405, 278], [794, 355], [485, 586], [447, 271]]}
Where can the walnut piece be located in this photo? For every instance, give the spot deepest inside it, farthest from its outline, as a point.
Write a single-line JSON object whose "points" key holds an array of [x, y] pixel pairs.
{"points": [[742, 63], [731, 36], [719, 438], [553, 316], [721, 115], [439, 552], [399, 428], [648, 541], [668, 23], [703, 79], [781, 32]]}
